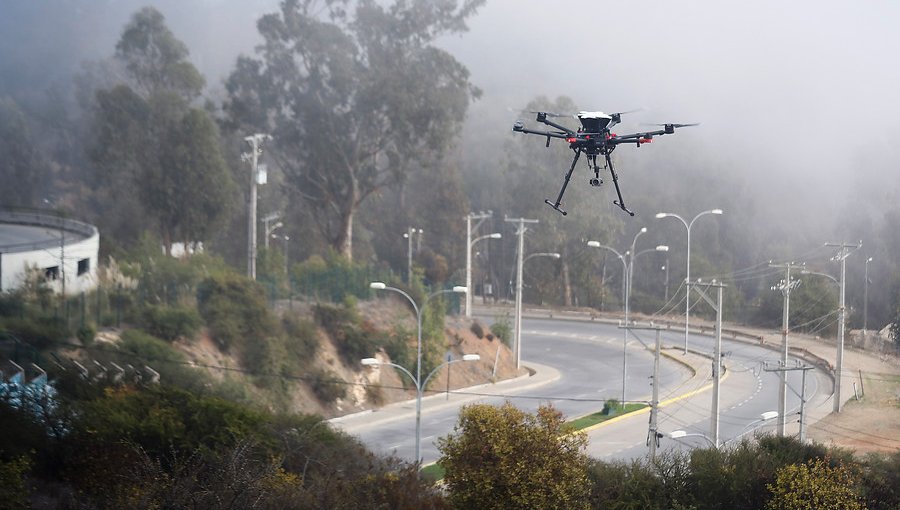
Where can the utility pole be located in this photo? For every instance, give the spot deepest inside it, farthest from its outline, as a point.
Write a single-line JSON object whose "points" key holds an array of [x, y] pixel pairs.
{"points": [[783, 370], [717, 352], [255, 141], [844, 251], [653, 435], [785, 286], [866, 300], [469, 217], [517, 345]]}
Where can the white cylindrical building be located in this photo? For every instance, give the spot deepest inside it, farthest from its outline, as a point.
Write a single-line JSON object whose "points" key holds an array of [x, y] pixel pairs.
{"points": [[63, 251]]}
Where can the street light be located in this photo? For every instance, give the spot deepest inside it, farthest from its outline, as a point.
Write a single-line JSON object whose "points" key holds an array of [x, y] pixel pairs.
{"points": [[687, 278], [408, 235], [470, 243], [764, 417], [480, 216], [626, 292], [517, 344], [417, 379], [866, 299]]}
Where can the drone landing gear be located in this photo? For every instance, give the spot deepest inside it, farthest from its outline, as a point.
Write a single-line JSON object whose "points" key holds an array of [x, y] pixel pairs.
{"points": [[562, 190], [620, 202]]}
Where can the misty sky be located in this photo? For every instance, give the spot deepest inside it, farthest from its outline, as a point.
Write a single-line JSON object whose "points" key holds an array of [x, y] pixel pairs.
{"points": [[799, 97], [781, 88]]}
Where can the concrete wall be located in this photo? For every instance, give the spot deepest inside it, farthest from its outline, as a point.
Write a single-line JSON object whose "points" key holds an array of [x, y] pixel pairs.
{"points": [[80, 248]]}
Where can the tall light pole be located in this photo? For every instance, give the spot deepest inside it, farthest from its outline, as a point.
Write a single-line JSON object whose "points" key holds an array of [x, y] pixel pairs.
{"points": [[520, 262], [256, 142], [866, 299], [471, 243], [626, 293], [268, 230], [687, 278], [596, 244], [481, 216], [408, 235], [417, 379]]}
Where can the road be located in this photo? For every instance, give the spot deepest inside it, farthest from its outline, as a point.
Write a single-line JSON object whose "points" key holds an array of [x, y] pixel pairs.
{"points": [[580, 368]]}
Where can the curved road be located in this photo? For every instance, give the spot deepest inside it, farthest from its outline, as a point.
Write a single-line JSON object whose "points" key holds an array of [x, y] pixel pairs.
{"points": [[588, 358]]}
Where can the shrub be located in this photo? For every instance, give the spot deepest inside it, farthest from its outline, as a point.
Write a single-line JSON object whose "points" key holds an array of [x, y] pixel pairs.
{"points": [[170, 322], [326, 385], [503, 329], [39, 333], [354, 339], [235, 310], [477, 330], [302, 342], [86, 334]]}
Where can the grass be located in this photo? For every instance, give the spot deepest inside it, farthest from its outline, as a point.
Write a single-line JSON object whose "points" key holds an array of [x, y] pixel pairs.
{"points": [[435, 472], [598, 417]]}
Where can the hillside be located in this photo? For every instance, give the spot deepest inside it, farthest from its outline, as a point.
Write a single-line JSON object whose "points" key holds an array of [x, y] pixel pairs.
{"points": [[364, 387]]}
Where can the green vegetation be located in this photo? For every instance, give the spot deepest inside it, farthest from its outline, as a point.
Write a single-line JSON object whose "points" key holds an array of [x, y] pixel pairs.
{"points": [[601, 416], [501, 457]]}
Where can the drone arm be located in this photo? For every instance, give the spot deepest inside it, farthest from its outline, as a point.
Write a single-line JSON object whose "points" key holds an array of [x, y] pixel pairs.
{"points": [[631, 138], [544, 119], [553, 134]]}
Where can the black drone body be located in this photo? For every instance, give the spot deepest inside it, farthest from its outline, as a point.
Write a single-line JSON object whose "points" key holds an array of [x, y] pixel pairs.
{"points": [[594, 138]]}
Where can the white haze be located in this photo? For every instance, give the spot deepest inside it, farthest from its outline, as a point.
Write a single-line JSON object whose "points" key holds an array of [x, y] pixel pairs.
{"points": [[797, 96], [800, 98]]}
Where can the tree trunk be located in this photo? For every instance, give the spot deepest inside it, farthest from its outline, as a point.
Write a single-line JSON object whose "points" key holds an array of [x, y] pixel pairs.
{"points": [[344, 242], [567, 283]]}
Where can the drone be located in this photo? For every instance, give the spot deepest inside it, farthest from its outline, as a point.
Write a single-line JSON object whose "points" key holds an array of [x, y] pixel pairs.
{"points": [[593, 138]]}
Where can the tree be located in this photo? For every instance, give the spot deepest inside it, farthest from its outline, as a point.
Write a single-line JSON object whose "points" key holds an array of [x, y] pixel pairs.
{"points": [[502, 457], [814, 485], [25, 172], [149, 139], [355, 97]]}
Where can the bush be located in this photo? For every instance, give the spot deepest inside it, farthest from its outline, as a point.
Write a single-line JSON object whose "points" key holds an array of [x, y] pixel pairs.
{"points": [[302, 339], [170, 322], [477, 330], [354, 339], [39, 333], [503, 329], [327, 385], [86, 334], [234, 308]]}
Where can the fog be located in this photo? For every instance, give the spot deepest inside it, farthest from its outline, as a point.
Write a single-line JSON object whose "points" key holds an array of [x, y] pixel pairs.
{"points": [[796, 101], [789, 94]]}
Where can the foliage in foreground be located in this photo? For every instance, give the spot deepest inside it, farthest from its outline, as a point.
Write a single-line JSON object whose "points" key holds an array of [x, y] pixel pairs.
{"points": [[162, 447], [502, 457]]}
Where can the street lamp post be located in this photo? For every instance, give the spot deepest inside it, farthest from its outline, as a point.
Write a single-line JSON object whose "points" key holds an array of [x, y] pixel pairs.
{"points": [[687, 278], [408, 235], [764, 417], [481, 216], [517, 341], [627, 274], [866, 300], [471, 243], [417, 379]]}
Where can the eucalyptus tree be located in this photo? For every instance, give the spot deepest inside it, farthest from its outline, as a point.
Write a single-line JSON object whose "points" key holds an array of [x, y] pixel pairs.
{"points": [[150, 140], [356, 95]]}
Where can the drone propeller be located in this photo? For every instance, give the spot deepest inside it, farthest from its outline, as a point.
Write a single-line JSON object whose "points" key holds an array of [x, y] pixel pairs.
{"points": [[674, 125], [554, 115]]}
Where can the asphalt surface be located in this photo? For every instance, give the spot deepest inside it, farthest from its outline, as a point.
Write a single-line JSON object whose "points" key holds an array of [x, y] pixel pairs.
{"points": [[577, 366]]}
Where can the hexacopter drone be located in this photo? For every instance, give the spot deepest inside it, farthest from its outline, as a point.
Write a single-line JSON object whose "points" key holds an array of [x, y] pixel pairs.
{"points": [[593, 138]]}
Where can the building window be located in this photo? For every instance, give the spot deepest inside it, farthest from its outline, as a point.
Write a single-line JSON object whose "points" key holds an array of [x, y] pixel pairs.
{"points": [[51, 273], [84, 265]]}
